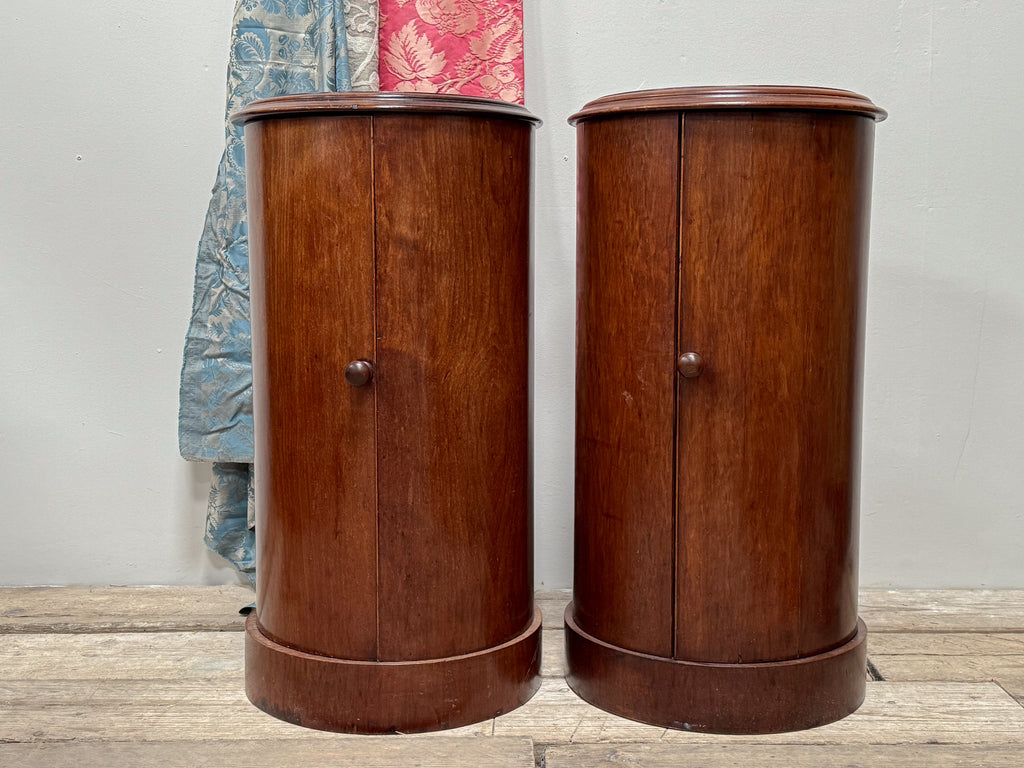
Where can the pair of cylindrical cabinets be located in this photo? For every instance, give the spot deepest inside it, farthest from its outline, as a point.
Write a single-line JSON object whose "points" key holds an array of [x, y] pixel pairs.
{"points": [[721, 237]]}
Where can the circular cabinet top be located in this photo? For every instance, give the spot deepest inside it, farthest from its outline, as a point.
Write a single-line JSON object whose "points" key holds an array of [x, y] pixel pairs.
{"points": [[351, 102], [730, 97]]}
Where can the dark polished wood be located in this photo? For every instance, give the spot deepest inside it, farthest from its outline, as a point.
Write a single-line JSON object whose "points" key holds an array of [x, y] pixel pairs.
{"points": [[717, 98], [312, 298], [390, 291], [453, 287], [625, 403], [394, 697], [354, 102], [690, 365], [359, 373], [762, 337], [775, 213], [717, 698]]}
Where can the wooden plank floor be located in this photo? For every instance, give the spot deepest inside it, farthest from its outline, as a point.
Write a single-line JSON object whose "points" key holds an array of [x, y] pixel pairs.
{"points": [[153, 677]]}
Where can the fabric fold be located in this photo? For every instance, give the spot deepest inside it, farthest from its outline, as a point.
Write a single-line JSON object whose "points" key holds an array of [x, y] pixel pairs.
{"points": [[278, 47], [361, 36]]}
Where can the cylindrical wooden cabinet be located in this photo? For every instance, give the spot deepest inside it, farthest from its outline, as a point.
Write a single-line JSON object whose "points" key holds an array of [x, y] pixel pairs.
{"points": [[722, 237], [389, 240]]}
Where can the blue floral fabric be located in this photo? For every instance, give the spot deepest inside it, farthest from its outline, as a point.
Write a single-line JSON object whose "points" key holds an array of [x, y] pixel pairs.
{"points": [[229, 532], [277, 47]]}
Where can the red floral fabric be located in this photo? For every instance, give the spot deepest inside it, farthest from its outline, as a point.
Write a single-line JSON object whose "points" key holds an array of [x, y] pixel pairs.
{"points": [[472, 47]]}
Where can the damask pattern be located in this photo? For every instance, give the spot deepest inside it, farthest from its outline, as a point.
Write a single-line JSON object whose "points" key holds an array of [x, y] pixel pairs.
{"points": [[277, 47], [472, 47], [361, 32], [229, 530]]}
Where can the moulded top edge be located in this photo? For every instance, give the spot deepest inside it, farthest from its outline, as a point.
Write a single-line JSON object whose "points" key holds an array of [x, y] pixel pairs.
{"points": [[730, 97], [348, 102]]}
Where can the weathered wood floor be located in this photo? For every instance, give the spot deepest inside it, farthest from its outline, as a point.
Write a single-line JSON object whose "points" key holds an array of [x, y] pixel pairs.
{"points": [[152, 676]]}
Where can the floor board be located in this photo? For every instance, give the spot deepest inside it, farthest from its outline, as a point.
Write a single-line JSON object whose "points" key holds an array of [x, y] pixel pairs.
{"points": [[552, 604], [122, 656], [1007, 671], [893, 713], [552, 660], [943, 610], [947, 644], [211, 709], [122, 609], [153, 676], [756, 756], [337, 752], [160, 655], [146, 710], [951, 657]]}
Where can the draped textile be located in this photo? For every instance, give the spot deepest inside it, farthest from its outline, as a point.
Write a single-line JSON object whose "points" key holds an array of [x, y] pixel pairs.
{"points": [[472, 47], [277, 47], [361, 34]]}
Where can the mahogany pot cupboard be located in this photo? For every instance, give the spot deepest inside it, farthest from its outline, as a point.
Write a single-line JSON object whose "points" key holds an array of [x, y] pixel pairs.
{"points": [[390, 246], [722, 236]]}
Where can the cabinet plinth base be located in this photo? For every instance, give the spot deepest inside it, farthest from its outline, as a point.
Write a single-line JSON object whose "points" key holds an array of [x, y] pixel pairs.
{"points": [[390, 697], [769, 697]]}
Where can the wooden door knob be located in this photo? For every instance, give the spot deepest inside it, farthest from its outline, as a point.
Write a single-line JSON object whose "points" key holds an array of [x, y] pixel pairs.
{"points": [[359, 373], [689, 365]]}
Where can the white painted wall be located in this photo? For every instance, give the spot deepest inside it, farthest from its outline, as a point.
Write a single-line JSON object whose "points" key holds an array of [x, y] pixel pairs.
{"points": [[111, 128], [96, 258]]}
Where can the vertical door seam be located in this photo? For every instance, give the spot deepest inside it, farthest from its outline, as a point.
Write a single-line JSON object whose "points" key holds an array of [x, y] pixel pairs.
{"points": [[675, 377], [376, 399]]}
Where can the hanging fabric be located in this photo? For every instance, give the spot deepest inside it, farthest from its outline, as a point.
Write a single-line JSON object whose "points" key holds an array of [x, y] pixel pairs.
{"points": [[472, 47], [278, 47], [361, 36]]}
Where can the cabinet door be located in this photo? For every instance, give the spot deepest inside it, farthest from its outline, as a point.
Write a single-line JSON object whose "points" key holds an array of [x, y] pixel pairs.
{"points": [[311, 246], [628, 192], [454, 498], [774, 212]]}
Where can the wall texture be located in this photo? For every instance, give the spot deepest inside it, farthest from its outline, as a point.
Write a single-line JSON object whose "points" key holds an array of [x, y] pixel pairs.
{"points": [[111, 128]]}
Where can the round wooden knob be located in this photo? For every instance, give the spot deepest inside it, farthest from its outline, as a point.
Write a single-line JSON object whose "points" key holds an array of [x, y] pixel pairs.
{"points": [[690, 364], [358, 373]]}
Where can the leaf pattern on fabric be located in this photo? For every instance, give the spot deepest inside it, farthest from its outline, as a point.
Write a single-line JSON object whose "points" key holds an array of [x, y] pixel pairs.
{"points": [[411, 56], [451, 17], [228, 530], [361, 41], [481, 42], [502, 43]]}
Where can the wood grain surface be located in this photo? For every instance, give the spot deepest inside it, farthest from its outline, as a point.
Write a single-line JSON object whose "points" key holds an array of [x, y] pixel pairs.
{"points": [[124, 609], [379, 103], [628, 191], [62, 610], [200, 709], [391, 279], [774, 233], [337, 752], [146, 697], [740, 97], [454, 498], [311, 246], [373, 697], [739, 698], [892, 713], [722, 235], [759, 755], [943, 610]]}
